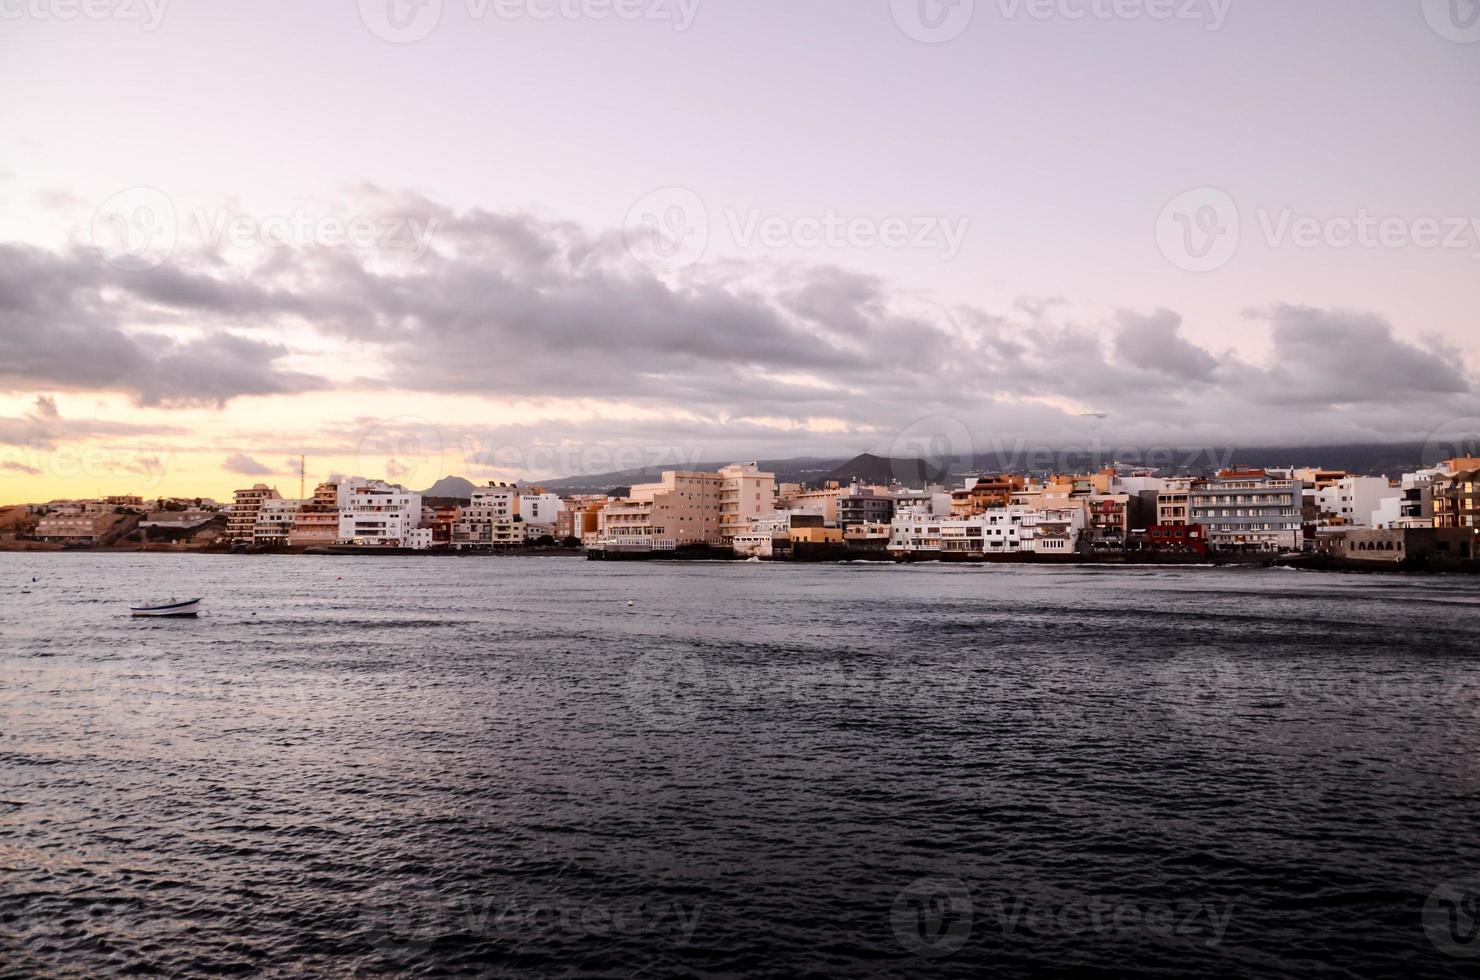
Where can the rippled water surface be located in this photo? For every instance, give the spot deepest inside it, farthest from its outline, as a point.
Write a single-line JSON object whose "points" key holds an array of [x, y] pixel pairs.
{"points": [[365, 766]]}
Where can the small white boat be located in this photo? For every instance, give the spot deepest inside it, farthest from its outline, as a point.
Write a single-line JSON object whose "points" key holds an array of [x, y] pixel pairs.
{"points": [[171, 607]]}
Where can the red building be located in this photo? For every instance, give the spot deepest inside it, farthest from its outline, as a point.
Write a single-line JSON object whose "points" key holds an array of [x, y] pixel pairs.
{"points": [[1177, 539]]}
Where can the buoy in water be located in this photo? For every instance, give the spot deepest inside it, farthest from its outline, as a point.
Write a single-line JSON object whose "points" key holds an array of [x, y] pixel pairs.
{"points": [[631, 603]]}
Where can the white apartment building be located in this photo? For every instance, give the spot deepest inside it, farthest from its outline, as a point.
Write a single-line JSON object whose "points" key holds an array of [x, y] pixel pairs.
{"points": [[379, 514], [995, 531], [1356, 499]]}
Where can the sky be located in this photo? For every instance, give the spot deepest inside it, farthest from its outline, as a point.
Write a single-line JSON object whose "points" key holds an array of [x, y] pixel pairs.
{"points": [[521, 239]]}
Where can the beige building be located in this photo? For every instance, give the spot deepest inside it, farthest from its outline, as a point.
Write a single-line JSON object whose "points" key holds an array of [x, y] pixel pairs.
{"points": [[241, 519], [75, 528], [687, 508], [317, 522]]}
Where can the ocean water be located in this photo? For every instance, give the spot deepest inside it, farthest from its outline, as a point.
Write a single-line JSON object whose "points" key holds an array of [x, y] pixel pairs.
{"points": [[512, 766]]}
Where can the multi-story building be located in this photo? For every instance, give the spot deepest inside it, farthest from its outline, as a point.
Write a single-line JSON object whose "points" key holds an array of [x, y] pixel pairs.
{"points": [[1354, 499], [378, 514], [241, 519], [930, 501], [1110, 519], [76, 528], [578, 517], [316, 522], [996, 531], [490, 519], [745, 493], [1248, 510], [1457, 499], [861, 505], [1172, 503], [983, 492], [687, 508], [540, 510], [275, 521]]}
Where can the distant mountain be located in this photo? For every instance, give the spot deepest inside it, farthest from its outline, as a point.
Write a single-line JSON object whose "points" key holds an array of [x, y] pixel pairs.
{"points": [[883, 470], [1389, 459], [452, 488], [805, 469]]}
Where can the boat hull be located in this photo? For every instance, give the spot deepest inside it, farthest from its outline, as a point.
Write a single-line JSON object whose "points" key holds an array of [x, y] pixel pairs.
{"points": [[173, 610]]}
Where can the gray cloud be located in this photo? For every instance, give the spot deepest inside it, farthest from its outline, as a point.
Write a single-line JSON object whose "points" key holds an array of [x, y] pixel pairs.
{"points": [[510, 305], [1155, 343], [62, 327], [245, 465]]}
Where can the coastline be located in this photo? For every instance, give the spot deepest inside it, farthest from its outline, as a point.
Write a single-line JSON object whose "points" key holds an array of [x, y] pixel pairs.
{"points": [[1313, 563]]}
